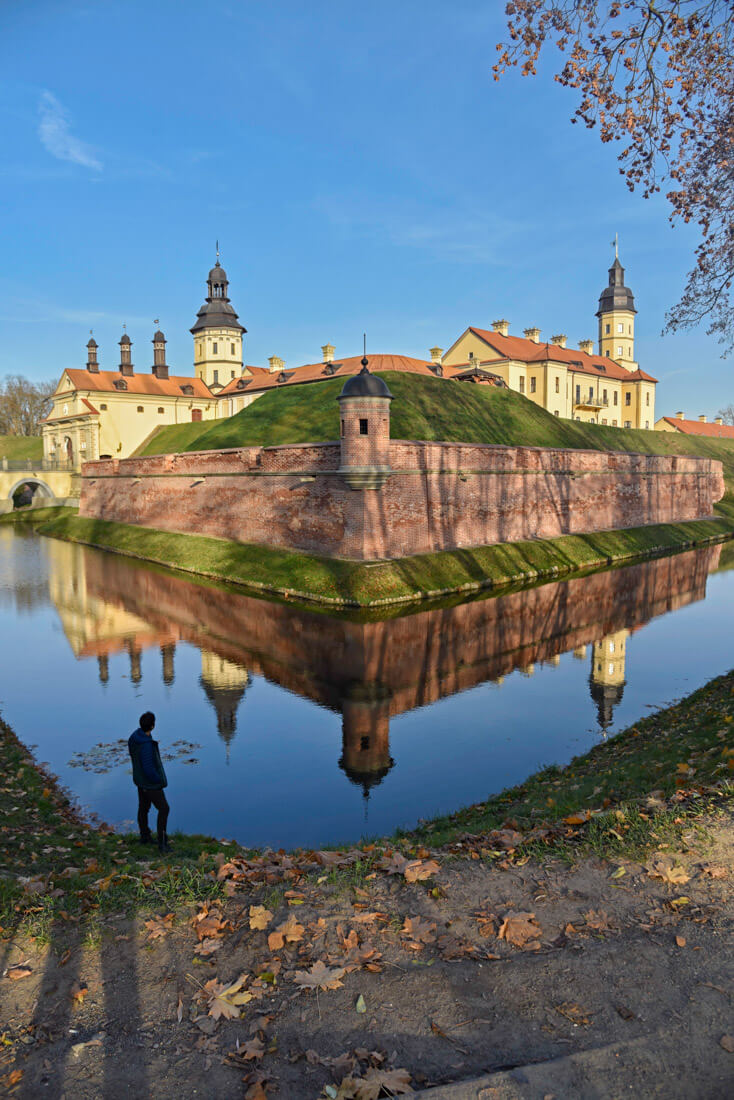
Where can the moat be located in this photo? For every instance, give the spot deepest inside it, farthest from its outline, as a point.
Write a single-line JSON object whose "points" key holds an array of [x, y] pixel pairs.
{"points": [[283, 726]]}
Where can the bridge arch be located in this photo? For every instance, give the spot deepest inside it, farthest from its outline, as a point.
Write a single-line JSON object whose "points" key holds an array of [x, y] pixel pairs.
{"points": [[39, 487]]}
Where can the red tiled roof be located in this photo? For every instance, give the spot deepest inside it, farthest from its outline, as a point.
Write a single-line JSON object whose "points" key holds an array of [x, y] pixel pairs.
{"points": [[137, 383], [95, 412], [527, 351], [317, 372], [697, 427]]}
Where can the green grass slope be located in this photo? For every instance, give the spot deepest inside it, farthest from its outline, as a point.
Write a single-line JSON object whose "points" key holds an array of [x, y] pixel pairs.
{"points": [[17, 448], [430, 409]]}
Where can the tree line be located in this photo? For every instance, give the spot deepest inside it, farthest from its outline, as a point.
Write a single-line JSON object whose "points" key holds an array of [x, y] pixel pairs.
{"points": [[23, 405]]}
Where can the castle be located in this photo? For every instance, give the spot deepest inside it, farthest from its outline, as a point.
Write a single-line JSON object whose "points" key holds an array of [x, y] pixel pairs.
{"points": [[100, 413]]}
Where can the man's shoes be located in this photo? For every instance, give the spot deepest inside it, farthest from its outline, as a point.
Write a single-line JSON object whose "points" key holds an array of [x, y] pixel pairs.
{"points": [[163, 845], [146, 838]]}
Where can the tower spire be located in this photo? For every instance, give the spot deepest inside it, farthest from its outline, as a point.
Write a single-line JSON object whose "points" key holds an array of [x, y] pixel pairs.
{"points": [[615, 242]]}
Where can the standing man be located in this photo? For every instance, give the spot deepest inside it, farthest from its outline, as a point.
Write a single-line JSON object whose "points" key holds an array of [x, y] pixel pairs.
{"points": [[150, 779]]}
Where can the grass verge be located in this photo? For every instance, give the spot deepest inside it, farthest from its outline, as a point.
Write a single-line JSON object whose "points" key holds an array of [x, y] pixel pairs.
{"points": [[624, 795], [364, 585], [17, 448]]}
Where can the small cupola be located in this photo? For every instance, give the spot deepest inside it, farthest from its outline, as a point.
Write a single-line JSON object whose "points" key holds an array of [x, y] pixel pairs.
{"points": [[92, 363], [587, 346], [502, 327], [160, 367], [559, 339], [276, 364], [532, 333], [327, 351], [126, 356]]}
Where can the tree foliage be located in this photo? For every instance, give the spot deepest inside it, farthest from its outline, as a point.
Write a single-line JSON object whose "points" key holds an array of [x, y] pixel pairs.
{"points": [[656, 76], [23, 405], [727, 414]]}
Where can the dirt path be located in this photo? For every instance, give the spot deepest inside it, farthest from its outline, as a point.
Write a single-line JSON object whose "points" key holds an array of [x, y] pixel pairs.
{"points": [[622, 986]]}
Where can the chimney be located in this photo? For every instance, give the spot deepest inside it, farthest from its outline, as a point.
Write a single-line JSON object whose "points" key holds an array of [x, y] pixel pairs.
{"points": [[587, 346], [276, 363], [718, 420], [532, 334], [126, 360], [702, 418], [503, 327], [679, 416], [328, 353], [436, 355], [559, 339], [92, 364], [160, 367]]}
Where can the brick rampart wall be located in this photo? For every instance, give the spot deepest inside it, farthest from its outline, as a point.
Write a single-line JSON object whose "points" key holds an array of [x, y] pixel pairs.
{"points": [[439, 496]]}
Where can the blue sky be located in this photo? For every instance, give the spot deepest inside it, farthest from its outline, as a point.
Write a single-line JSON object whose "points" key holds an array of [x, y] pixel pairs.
{"points": [[359, 165]]}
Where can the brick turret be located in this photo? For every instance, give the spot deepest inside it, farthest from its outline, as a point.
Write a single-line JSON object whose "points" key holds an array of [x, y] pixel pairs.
{"points": [[364, 408]]}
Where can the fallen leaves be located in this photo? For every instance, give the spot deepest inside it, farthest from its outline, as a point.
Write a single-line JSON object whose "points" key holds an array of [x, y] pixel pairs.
{"points": [[727, 1042], [158, 927], [416, 870], [597, 920], [290, 931], [375, 1083], [319, 977], [16, 973], [79, 991], [668, 871], [221, 1000], [417, 932], [260, 917], [521, 930]]}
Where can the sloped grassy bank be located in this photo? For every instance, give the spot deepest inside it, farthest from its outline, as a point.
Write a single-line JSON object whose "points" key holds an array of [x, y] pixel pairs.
{"points": [[638, 791], [340, 583]]}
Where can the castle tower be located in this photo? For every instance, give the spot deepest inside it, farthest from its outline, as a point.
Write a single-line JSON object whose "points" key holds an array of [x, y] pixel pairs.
{"points": [[607, 677], [616, 315], [160, 367], [224, 684], [364, 409], [366, 756], [217, 334]]}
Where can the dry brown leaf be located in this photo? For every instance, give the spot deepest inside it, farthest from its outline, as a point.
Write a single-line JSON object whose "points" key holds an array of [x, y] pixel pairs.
{"points": [[667, 871], [681, 941], [375, 1083], [209, 923], [597, 920], [158, 927], [251, 1050], [225, 1000], [727, 1042], [420, 930], [78, 992], [15, 973], [319, 977], [714, 870], [520, 929], [394, 864], [419, 870], [260, 917]]}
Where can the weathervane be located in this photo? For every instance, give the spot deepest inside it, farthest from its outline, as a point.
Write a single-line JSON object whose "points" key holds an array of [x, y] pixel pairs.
{"points": [[615, 242], [365, 360], [156, 322], [217, 251]]}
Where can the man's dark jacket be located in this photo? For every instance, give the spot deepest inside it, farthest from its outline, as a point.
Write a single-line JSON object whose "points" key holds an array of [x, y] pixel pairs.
{"points": [[148, 770]]}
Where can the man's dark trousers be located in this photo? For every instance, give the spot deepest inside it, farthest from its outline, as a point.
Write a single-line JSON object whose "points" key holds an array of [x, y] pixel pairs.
{"points": [[146, 799]]}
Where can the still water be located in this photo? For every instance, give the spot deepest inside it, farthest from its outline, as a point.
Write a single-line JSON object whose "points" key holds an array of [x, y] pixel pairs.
{"points": [[285, 727]]}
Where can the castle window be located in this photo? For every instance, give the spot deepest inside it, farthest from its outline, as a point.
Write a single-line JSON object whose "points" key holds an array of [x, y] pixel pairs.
{"points": [[364, 744], [629, 329], [103, 408], [231, 348], [364, 427], [611, 647], [614, 422], [616, 395], [604, 396], [628, 399], [578, 394], [216, 374], [647, 423], [620, 350], [215, 346], [558, 385], [342, 427], [471, 354], [620, 327], [120, 384], [607, 329], [628, 423], [187, 390], [556, 413], [83, 445], [231, 374], [604, 421], [140, 408], [532, 385], [647, 398], [160, 410], [611, 669], [522, 385]]}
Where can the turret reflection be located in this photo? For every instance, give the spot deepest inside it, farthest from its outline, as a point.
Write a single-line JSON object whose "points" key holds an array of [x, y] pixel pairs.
{"points": [[369, 672]]}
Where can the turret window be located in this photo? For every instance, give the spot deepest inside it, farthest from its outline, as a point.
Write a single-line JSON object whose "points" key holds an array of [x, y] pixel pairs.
{"points": [[160, 410], [620, 350], [607, 329], [628, 399], [616, 395], [364, 427], [558, 385], [231, 348], [647, 398], [140, 409], [215, 347], [522, 385], [215, 375], [620, 327]]}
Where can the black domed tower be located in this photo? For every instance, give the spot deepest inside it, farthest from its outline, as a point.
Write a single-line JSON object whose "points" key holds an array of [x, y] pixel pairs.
{"points": [[616, 315], [217, 334]]}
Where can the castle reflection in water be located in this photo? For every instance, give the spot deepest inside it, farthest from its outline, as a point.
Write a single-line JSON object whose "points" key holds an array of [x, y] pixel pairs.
{"points": [[367, 671]]}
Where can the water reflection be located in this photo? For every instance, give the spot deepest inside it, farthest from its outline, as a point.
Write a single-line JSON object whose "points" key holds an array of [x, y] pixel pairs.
{"points": [[369, 672]]}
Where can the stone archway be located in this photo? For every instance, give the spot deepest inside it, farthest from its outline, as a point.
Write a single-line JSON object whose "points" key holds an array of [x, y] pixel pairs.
{"points": [[38, 489]]}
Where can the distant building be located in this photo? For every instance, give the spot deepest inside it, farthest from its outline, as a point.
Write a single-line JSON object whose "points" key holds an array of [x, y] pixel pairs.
{"points": [[715, 429]]}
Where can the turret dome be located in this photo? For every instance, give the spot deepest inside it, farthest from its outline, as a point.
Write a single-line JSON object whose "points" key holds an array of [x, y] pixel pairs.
{"points": [[365, 384]]}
